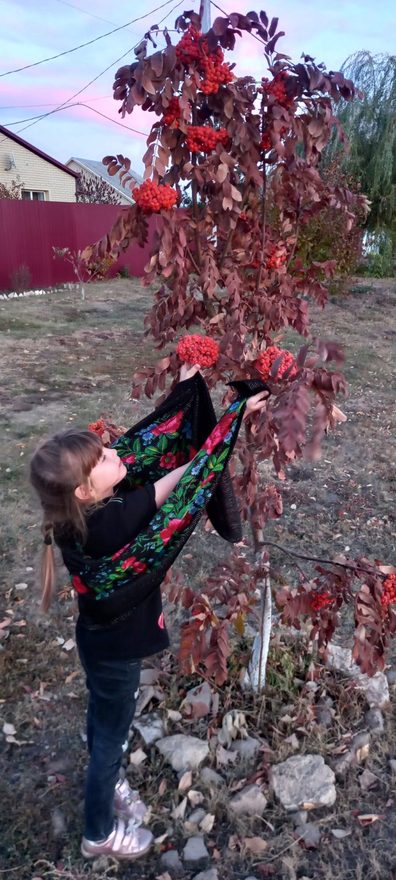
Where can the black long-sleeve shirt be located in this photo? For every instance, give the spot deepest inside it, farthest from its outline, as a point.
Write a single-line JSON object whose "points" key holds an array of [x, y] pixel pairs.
{"points": [[112, 525]]}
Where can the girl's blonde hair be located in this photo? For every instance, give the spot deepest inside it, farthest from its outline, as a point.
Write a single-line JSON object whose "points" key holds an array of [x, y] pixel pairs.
{"points": [[58, 466]]}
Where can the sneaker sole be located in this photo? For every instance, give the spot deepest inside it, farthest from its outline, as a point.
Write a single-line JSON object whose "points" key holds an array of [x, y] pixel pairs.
{"points": [[121, 856]]}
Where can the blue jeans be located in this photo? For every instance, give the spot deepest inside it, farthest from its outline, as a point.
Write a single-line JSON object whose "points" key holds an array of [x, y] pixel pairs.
{"points": [[113, 687]]}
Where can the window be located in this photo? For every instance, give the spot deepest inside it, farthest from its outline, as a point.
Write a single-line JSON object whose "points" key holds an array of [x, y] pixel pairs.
{"points": [[33, 195]]}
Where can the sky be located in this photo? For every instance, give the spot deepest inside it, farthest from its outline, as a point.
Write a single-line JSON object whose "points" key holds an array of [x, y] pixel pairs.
{"points": [[35, 29]]}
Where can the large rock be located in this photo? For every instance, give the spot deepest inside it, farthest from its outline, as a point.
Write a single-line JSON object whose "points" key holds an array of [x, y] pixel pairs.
{"points": [[250, 801], [303, 782], [210, 777], [171, 861], [197, 701], [375, 688], [211, 874], [195, 851], [247, 748], [183, 752], [150, 727]]}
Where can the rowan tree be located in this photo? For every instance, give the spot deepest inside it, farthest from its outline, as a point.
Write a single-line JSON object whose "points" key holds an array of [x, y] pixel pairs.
{"points": [[248, 152]]}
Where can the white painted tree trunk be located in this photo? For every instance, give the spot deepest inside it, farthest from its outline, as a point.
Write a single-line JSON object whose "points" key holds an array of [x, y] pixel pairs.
{"points": [[255, 675]]}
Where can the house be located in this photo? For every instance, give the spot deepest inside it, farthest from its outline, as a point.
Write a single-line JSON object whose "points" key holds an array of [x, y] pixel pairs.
{"points": [[94, 170], [41, 177]]}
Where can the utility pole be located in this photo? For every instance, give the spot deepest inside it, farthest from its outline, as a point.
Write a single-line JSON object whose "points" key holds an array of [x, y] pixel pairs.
{"points": [[204, 11]]}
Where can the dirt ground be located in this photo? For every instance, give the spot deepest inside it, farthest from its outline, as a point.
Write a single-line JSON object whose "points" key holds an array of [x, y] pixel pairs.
{"points": [[66, 360]]}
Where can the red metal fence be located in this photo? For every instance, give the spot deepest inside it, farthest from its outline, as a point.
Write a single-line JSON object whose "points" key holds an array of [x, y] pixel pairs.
{"points": [[30, 230]]}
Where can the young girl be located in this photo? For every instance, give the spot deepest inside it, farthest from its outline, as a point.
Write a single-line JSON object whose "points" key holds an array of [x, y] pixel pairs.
{"points": [[88, 504]]}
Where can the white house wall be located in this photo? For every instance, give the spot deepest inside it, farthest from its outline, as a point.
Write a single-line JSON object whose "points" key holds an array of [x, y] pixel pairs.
{"points": [[35, 173]]}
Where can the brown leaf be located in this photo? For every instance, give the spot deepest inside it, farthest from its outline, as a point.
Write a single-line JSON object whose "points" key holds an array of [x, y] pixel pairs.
{"points": [[255, 845], [185, 781], [368, 818]]}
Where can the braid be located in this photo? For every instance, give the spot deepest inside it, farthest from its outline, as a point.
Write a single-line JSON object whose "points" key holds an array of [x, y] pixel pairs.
{"points": [[47, 566]]}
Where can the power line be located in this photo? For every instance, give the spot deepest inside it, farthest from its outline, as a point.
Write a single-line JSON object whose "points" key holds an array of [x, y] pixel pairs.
{"points": [[80, 91], [85, 11], [77, 104], [255, 37], [89, 42], [52, 104], [67, 102]]}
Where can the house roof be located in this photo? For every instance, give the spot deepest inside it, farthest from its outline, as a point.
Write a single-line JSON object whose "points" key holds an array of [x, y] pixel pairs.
{"points": [[100, 170], [33, 149]]}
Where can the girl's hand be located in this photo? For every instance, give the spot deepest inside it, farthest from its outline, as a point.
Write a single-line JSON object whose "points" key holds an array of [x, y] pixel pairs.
{"points": [[256, 403], [187, 372]]}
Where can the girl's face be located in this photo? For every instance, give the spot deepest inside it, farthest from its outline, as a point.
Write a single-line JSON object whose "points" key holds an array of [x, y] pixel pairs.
{"points": [[109, 471]]}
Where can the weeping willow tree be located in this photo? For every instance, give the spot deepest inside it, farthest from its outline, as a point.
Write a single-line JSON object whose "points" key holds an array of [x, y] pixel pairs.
{"points": [[370, 126]]}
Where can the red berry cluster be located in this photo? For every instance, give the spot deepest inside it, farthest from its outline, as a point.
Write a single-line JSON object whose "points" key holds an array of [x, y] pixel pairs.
{"points": [[389, 595], [266, 358], [277, 88], [266, 142], [216, 72], [97, 427], [276, 259], [172, 113], [321, 600], [203, 138], [153, 197], [244, 217], [189, 48], [194, 47], [196, 349]]}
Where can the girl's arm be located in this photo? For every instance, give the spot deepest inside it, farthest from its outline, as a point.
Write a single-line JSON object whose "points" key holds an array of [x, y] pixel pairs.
{"points": [[165, 485]]}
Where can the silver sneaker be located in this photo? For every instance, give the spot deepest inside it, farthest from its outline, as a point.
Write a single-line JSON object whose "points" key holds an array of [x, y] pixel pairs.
{"points": [[126, 841], [127, 803]]}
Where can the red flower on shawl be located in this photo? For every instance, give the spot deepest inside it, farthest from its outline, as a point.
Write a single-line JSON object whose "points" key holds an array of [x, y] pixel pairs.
{"points": [[78, 585], [119, 552], [208, 480], [218, 433], [168, 461], [170, 426], [134, 563], [129, 459], [173, 526]]}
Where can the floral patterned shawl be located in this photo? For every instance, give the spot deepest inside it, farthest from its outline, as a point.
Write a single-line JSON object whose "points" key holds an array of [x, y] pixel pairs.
{"points": [[183, 429]]}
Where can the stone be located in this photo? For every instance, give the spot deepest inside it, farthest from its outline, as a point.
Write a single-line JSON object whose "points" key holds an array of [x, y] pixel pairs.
{"points": [[197, 701], [195, 850], [375, 688], [196, 816], [324, 715], [303, 782], [374, 720], [171, 861], [150, 727], [309, 834], [392, 764], [211, 777], [357, 753], [367, 780], [211, 874], [299, 818], [250, 801], [391, 677], [183, 752], [247, 748]]}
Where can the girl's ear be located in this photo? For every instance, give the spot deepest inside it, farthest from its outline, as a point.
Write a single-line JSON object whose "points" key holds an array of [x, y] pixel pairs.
{"points": [[83, 493]]}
